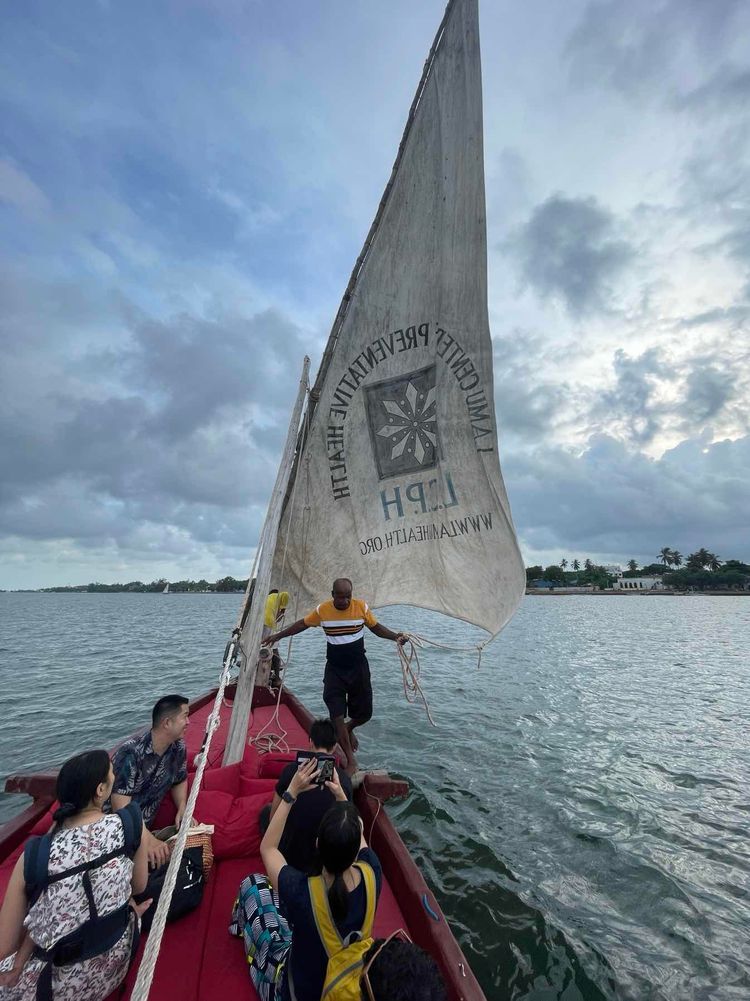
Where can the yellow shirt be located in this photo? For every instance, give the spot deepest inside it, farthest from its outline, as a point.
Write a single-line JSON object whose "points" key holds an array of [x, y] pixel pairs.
{"points": [[275, 603]]}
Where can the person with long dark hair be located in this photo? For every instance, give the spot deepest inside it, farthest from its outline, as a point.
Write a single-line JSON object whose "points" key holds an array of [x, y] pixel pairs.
{"points": [[280, 910], [66, 928]]}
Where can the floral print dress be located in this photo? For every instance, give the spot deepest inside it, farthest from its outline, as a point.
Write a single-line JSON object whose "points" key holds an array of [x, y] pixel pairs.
{"points": [[63, 907]]}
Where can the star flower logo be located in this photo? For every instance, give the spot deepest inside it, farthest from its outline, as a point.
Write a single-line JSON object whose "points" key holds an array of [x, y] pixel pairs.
{"points": [[402, 417], [412, 424]]}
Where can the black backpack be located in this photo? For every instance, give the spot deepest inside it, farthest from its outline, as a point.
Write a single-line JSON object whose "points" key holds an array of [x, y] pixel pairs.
{"points": [[188, 889]]}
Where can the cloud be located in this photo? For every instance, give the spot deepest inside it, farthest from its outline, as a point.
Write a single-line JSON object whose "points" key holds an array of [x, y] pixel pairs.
{"points": [[183, 198], [708, 390], [509, 187], [200, 366], [663, 394], [167, 428], [653, 49], [736, 315], [20, 191], [611, 499], [719, 182], [632, 403], [714, 203], [528, 403], [569, 249], [725, 91]]}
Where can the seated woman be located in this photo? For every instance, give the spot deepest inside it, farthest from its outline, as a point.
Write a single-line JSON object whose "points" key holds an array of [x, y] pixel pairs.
{"points": [[66, 930], [351, 877]]}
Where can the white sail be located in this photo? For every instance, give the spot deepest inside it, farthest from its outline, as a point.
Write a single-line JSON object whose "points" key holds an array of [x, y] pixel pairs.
{"points": [[398, 483]]}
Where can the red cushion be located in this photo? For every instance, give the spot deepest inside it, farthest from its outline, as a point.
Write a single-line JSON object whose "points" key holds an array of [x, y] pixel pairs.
{"points": [[212, 807], [240, 835], [222, 779], [179, 965], [197, 730], [224, 973], [271, 766], [164, 816], [251, 787], [235, 819], [388, 916]]}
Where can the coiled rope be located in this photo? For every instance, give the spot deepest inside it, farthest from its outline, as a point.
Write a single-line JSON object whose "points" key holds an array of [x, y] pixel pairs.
{"points": [[477, 648], [411, 668], [151, 952]]}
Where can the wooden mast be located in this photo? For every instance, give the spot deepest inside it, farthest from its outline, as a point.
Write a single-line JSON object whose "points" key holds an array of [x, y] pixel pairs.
{"points": [[250, 623]]}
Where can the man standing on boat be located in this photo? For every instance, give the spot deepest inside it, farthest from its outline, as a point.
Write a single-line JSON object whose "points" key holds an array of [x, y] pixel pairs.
{"points": [[347, 691]]}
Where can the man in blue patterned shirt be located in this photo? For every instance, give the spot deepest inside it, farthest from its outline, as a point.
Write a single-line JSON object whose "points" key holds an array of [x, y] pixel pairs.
{"points": [[148, 767]]}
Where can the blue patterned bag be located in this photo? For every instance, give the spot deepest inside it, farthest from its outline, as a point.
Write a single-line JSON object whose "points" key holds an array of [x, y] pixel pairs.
{"points": [[256, 918]]}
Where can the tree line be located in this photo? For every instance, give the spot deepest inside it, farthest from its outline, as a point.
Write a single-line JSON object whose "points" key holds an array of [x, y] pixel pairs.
{"points": [[223, 585], [701, 570], [579, 576]]}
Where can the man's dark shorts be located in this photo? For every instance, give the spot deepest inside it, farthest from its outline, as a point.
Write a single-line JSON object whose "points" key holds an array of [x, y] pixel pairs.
{"points": [[348, 692]]}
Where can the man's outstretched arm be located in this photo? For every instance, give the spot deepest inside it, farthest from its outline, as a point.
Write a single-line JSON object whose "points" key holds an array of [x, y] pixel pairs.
{"points": [[296, 627], [388, 634]]}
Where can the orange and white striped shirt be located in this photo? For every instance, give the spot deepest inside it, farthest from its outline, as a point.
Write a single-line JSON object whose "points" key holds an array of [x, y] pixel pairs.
{"points": [[343, 627]]}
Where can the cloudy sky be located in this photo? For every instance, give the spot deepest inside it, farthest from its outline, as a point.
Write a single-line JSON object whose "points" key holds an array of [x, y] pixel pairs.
{"points": [[184, 187]]}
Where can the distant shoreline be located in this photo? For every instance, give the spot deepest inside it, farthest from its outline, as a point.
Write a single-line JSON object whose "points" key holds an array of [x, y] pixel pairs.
{"points": [[49, 590], [530, 592], [623, 593]]}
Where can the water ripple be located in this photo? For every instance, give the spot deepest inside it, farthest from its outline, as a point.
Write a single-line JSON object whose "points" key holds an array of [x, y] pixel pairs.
{"points": [[581, 812]]}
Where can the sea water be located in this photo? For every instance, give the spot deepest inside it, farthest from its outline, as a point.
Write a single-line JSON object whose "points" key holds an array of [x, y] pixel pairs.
{"points": [[581, 810]]}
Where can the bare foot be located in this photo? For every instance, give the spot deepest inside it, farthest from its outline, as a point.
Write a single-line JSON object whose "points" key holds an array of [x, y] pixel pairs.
{"points": [[351, 766]]}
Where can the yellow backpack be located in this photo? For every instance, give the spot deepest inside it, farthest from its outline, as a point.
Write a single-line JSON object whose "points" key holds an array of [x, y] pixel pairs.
{"points": [[345, 958]]}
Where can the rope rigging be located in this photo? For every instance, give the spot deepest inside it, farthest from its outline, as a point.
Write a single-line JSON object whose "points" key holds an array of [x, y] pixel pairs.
{"points": [[151, 952]]}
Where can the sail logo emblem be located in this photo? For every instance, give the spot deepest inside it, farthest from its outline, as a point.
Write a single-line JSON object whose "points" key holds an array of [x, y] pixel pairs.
{"points": [[402, 417]]}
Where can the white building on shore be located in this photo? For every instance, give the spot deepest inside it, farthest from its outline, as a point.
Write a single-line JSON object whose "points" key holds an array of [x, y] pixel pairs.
{"points": [[650, 583]]}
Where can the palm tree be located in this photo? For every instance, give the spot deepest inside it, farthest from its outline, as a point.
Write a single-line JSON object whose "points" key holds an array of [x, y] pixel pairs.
{"points": [[576, 565], [587, 564], [563, 563], [713, 562], [699, 559], [665, 555], [632, 566], [676, 558]]}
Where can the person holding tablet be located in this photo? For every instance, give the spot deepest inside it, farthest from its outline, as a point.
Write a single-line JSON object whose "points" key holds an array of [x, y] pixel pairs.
{"points": [[298, 840]]}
